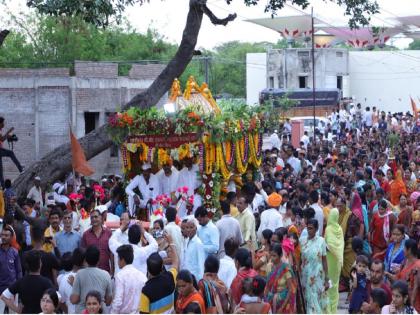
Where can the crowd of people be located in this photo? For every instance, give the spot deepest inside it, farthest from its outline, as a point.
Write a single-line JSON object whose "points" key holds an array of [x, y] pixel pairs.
{"points": [[338, 213]]}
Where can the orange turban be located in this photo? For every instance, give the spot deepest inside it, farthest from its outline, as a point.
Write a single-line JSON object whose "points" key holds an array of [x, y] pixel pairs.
{"points": [[274, 200]]}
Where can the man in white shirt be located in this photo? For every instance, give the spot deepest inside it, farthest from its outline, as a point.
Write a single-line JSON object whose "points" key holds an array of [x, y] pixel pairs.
{"points": [[228, 228], [194, 254], [128, 283], [141, 253], [305, 139], [207, 232], [64, 287], [168, 179], [275, 140], [246, 220], [290, 159], [227, 270], [319, 213], [368, 118], [174, 231], [188, 176], [35, 193], [271, 218], [382, 165], [148, 185]]}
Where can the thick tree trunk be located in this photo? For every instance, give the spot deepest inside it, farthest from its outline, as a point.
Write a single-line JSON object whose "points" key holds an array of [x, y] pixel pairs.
{"points": [[58, 162]]}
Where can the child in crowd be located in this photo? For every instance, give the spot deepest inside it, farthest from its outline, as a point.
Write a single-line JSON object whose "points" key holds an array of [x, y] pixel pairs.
{"points": [[359, 284], [93, 303], [400, 300], [251, 301], [378, 299]]}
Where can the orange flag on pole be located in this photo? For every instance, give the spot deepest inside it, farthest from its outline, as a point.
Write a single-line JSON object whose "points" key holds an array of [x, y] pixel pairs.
{"points": [[413, 105], [78, 159]]}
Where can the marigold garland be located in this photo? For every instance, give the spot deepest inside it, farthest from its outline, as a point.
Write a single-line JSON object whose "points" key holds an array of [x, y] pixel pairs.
{"points": [[253, 147], [143, 152], [221, 163]]}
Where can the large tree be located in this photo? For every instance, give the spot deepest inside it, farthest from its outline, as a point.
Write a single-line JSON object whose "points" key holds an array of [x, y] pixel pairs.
{"points": [[58, 162]]}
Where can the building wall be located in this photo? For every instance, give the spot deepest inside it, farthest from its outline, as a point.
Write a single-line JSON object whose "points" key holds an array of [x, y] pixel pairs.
{"points": [[256, 76], [41, 104], [385, 79]]}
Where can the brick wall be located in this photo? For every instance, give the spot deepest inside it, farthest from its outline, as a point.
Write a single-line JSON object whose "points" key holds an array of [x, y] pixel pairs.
{"points": [[146, 72], [86, 69], [47, 72]]}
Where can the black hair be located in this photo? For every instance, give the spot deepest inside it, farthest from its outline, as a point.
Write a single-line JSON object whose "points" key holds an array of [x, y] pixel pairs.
{"points": [[277, 249], [400, 227], [78, 257], [192, 308], [230, 196], [258, 286], [231, 246], [201, 212], [309, 213], [402, 288], [297, 211], [66, 261], [280, 232], [225, 207], [154, 264], [187, 276], [378, 262], [94, 294], [126, 252], [379, 297], [243, 256], [7, 183], [37, 234], [52, 293], [411, 246], [383, 204], [362, 259], [171, 214], [134, 234], [1, 119], [30, 202], [160, 222], [92, 255], [314, 223], [55, 211], [32, 260], [9, 229], [267, 234], [325, 197], [212, 264]]}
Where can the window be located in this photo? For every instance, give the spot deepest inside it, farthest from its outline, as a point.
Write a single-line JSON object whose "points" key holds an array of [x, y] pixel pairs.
{"points": [[339, 54], [340, 82], [91, 121], [271, 83], [303, 53], [302, 82]]}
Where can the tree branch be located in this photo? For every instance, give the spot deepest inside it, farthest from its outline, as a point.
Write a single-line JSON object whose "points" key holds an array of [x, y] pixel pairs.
{"points": [[215, 20], [3, 35]]}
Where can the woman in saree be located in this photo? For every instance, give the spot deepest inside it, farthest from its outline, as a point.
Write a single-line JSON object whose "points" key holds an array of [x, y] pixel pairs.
{"points": [[281, 287], [243, 262], [410, 181], [410, 270], [397, 187], [394, 256], [187, 293], [404, 212], [381, 226], [334, 239], [314, 270], [350, 222], [261, 261]]}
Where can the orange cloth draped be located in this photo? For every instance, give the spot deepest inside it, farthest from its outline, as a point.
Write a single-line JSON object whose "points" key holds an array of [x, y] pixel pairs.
{"points": [[78, 158], [183, 302], [397, 188]]}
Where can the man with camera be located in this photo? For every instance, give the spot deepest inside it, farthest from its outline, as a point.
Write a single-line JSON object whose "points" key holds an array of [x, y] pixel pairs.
{"points": [[10, 137]]}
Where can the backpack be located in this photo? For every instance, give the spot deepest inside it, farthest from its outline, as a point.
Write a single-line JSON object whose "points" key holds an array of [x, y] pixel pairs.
{"points": [[217, 301]]}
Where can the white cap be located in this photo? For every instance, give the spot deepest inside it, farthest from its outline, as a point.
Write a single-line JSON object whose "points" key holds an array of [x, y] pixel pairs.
{"points": [[56, 186], [104, 180], [101, 209], [50, 202], [275, 131], [146, 166], [37, 178]]}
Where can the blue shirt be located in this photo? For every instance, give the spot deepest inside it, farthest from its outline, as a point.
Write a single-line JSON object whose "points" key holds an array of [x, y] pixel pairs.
{"points": [[67, 241], [209, 236], [10, 267]]}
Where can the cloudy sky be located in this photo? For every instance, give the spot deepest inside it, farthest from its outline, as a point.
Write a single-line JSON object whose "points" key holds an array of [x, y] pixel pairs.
{"points": [[168, 17]]}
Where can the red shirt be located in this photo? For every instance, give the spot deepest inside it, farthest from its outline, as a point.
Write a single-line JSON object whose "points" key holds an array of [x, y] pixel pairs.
{"points": [[89, 238], [384, 287], [377, 229]]}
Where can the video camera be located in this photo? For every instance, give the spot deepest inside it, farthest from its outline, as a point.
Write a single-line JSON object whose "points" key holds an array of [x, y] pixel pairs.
{"points": [[12, 138]]}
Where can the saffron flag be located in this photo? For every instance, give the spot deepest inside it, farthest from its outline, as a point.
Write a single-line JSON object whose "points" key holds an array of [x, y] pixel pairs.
{"points": [[78, 158], [415, 110]]}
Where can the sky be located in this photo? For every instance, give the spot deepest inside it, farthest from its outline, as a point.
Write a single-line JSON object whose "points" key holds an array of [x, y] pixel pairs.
{"points": [[169, 16]]}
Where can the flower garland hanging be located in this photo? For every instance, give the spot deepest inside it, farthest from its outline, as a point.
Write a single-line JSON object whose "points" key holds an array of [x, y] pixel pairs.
{"points": [[143, 152], [242, 154], [228, 151], [201, 157], [126, 159], [253, 148], [210, 192], [222, 168]]}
